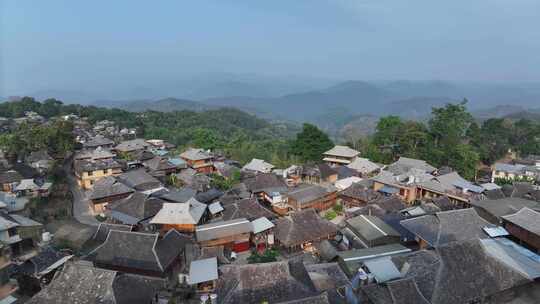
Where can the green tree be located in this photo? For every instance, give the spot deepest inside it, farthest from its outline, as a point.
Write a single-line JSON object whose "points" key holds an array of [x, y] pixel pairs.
{"points": [[388, 130], [311, 143], [464, 159], [205, 138], [449, 124]]}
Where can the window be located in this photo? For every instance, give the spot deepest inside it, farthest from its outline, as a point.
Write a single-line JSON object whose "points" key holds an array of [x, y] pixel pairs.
{"points": [[106, 171], [12, 232], [90, 173]]}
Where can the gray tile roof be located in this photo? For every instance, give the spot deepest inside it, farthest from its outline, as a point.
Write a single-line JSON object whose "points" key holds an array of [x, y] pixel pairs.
{"points": [[140, 251], [44, 259], [196, 154], [181, 195], [405, 164], [305, 194], [248, 208], [98, 141], [525, 218], [272, 282], [84, 284], [361, 193], [505, 206], [223, 229], [103, 230], [342, 151], [265, 181], [303, 226], [107, 187], [209, 196], [159, 164], [447, 226], [132, 145], [363, 165], [139, 179], [258, 165], [459, 272], [84, 165], [98, 153], [319, 170], [11, 176], [78, 284], [138, 206]]}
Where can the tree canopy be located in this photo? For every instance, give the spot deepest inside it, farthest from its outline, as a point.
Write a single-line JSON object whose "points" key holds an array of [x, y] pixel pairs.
{"points": [[311, 143], [451, 138]]}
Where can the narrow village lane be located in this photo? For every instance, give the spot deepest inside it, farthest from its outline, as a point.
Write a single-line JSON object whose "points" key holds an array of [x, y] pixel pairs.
{"points": [[81, 207]]}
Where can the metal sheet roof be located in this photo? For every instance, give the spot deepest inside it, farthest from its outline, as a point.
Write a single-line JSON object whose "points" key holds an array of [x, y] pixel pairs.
{"points": [[468, 186], [261, 224], [495, 231], [370, 227], [373, 252], [203, 271], [517, 257], [223, 229], [215, 208], [383, 269]]}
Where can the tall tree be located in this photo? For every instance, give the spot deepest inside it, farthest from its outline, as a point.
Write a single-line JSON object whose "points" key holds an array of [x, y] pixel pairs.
{"points": [[311, 143], [449, 124]]}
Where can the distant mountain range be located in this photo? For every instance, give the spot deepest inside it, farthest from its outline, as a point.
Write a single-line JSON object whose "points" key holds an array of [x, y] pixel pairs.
{"points": [[333, 107]]}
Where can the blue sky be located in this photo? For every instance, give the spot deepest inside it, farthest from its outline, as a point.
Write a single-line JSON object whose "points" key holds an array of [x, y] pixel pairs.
{"points": [[75, 44]]}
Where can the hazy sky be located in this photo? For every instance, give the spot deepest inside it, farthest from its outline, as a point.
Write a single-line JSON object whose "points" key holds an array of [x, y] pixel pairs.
{"points": [[76, 44]]}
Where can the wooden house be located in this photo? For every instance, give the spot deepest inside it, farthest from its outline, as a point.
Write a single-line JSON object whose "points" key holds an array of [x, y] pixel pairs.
{"points": [[358, 195], [141, 253], [301, 229], [98, 141], [203, 274], [199, 159], [311, 196], [439, 229], [258, 166], [81, 283], [107, 190], [263, 233], [317, 174], [234, 234], [180, 216], [372, 231], [87, 172], [340, 155], [524, 225], [9, 180], [132, 146], [135, 209]]}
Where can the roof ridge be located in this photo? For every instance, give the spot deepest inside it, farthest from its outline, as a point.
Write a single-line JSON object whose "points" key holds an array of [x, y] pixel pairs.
{"points": [[156, 255]]}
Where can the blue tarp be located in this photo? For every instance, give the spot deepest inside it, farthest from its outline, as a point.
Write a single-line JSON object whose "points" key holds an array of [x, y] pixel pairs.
{"points": [[389, 190]]}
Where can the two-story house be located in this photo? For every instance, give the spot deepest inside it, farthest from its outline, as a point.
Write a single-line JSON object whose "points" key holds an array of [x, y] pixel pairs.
{"points": [[340, 155], [199, 159], [88, 172]]}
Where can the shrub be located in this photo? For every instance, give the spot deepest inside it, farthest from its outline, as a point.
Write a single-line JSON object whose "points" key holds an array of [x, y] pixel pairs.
{"points": [[338, 208], [330, 215], [269, 255]]}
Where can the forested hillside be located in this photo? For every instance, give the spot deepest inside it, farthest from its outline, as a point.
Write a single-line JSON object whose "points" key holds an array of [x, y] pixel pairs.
{"points": [[451, 137], [237, 133]]}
